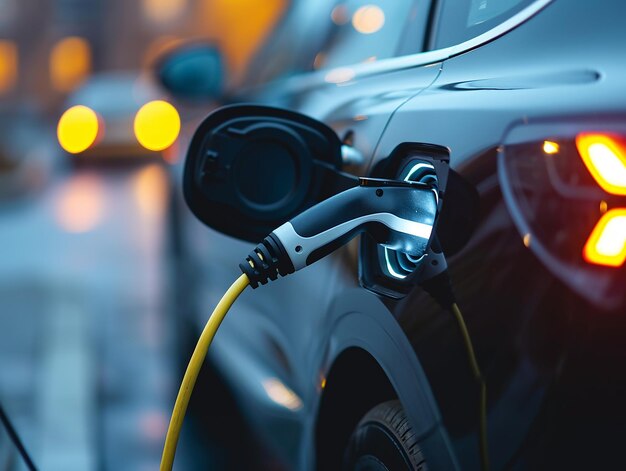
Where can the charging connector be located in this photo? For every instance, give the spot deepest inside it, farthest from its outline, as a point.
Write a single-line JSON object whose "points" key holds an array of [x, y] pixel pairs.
{"points": [[399, 215], [268, 260]]}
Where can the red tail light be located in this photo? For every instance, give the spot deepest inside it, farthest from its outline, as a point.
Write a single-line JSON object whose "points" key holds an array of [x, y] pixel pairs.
{"points": [[605, 158], [565, 189], [607, 242]]}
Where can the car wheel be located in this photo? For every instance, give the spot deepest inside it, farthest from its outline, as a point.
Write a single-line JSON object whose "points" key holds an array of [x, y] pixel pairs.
{"points": [[384, 441]]}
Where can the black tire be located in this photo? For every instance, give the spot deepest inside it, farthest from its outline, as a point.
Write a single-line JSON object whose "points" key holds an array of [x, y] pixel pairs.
{"points": [[384, 441]]}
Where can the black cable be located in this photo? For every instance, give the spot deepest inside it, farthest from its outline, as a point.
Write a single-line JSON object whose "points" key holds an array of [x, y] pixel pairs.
{"points": [[478, 376], [440, 288], [16, 440]]}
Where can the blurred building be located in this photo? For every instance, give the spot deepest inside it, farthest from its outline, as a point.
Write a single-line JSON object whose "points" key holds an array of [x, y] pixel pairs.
{"points": [[48, 47]]}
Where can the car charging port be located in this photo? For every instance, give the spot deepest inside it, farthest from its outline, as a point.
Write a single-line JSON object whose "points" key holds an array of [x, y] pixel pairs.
{"points": [[398, 264], [394, 273]]}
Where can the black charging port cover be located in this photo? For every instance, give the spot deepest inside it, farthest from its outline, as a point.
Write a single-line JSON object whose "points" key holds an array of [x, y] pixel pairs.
{"points": [[250, 168]]}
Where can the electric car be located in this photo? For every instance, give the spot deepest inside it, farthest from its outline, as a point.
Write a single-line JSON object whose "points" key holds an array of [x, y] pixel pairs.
{"points": [[350, 363]]}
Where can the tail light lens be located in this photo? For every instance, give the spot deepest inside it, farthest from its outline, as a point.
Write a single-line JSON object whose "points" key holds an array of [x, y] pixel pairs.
{"points": [[605, 158], [565, 187], [607, 242]]}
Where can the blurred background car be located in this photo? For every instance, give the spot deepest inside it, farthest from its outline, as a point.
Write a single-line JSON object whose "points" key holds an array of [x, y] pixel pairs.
{"points": [[108, 108], [86, 304]]}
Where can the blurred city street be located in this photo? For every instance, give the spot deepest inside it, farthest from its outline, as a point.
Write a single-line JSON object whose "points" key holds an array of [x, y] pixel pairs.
{"points": [[90, 143], [85, 364]]}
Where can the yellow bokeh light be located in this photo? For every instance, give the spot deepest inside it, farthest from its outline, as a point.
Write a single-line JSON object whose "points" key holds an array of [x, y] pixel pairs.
{"points": [[368, 19], [70, 63], [604, 206], [550, 147], [77, 129], [8, 65], [157, 125]]}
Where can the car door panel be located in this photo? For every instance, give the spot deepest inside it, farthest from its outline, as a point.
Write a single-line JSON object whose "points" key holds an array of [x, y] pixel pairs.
{"points": [[351, 98], [507, 295], [287, 315], [343, 108]]}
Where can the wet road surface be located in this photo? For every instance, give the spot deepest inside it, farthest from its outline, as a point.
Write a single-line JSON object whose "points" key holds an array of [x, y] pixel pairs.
{"points": [[86, 365]]}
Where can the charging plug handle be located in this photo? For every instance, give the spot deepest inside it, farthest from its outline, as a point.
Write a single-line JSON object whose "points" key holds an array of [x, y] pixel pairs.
{"points": [[399, 215]]}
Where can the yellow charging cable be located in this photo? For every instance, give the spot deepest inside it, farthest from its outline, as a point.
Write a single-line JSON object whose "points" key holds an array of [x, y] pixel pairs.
{"points": [[199, 354], [189, 380], [484, 448]]}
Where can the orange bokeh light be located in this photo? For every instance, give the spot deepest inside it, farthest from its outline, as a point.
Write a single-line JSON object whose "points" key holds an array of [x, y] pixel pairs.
{"points": [[150, 187], [161, 11], [368, 19], [339, 14], [70, 63], [80, 205], [241, 26], [8, 65]]}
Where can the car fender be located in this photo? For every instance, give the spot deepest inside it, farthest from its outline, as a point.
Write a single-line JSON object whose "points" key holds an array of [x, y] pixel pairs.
{"points": [[359, 319]]}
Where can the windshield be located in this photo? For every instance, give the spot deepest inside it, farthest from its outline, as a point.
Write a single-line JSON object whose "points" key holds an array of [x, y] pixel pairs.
{"points": [[331, 33], [363, 31], [294, 44]]}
